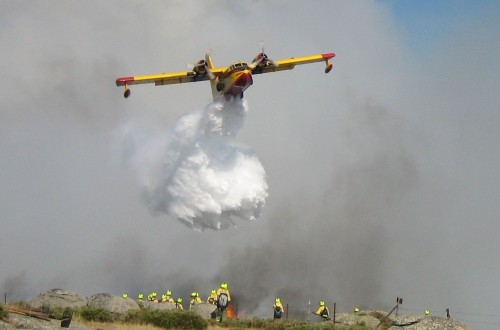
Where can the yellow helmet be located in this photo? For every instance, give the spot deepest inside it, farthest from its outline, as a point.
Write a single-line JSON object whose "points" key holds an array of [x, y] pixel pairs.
{"points": [[193, 294], [179, 300], [223, 286], [169, 293], [213, 292], [322, 303]]}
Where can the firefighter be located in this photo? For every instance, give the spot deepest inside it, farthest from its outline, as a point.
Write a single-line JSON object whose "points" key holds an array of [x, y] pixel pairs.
{"points": [[168, 297], [212, 299], [195, 299], [198, 298], [152, 296], [178, 304], [223, 299], [278, 308], [323, 311], [223, 290]]}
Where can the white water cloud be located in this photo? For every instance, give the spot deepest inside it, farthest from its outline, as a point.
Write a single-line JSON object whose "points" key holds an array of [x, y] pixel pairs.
{"points": [[196, 172]]}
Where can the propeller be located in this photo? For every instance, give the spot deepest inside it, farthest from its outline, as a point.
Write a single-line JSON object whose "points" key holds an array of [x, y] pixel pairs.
{"points": [[201, 67], [270, 60], [262, 56]]}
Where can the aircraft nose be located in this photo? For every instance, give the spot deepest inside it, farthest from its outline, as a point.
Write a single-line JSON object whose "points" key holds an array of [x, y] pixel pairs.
{"points": [[244, 80]]}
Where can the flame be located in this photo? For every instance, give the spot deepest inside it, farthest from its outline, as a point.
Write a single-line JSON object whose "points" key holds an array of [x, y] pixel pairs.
{"points": [[230, 312]]}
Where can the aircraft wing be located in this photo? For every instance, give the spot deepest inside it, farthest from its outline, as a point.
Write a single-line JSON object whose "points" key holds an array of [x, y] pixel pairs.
{"points": [[167, 78], [290, 63]]}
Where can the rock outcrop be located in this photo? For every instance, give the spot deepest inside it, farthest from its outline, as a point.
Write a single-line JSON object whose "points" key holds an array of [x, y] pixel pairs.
{"points": [[204, 310], [58, 298], [155, 305], [419, 322], [114, 304], [354, 319], [406, 322], [4, 325], [26, 322]]}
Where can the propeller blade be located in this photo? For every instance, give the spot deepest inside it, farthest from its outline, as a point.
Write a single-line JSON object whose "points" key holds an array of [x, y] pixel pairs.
{"points": [[272, 62]]}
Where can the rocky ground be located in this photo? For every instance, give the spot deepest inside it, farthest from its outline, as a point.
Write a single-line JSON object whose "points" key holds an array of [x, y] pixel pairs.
{"points": [[26, 322], [406, 322], [120, 306]]}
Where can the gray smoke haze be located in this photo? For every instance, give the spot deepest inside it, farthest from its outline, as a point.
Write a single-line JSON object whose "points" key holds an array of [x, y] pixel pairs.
{"points": [[333, 244], [382, 177]]}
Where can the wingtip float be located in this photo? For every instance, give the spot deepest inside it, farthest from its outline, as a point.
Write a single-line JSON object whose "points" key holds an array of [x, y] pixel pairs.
{"points": [[230, 81]]}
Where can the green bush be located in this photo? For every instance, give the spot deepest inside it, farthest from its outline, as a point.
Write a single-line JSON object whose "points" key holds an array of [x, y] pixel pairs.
{"points": [[3, 313], [134, 316], [168, 319], [89, 313], [328, 326], [60, 313], [253, 322]]}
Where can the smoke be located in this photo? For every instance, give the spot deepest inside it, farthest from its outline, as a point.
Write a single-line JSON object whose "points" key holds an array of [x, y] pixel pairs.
{"points": [[16, 286], [196, 172], [332, 245], [382, 175]]}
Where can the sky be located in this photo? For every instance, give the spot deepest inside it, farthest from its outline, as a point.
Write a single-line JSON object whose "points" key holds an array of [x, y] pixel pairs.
{"points": [[382, 176]]}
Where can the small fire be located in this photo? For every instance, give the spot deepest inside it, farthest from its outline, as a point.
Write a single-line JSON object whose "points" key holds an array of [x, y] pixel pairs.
{"points": [[230, 312]]}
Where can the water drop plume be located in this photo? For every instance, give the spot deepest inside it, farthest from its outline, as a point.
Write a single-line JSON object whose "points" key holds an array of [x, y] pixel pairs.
{"points": [[196, 172]]}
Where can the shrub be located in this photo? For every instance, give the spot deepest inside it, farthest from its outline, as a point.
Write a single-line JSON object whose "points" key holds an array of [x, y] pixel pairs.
{"points": [[60, 313], [3, 313], [89, 313], [315, 326], [168, 319], [134, 316], [269, 324]]}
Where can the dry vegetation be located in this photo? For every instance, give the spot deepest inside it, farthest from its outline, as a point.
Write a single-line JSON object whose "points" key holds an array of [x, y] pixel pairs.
{"points": [[127, 326], [121, 326]]}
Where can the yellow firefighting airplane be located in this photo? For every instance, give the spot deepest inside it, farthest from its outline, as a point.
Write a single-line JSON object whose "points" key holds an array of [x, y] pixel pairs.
{"points": [[228, 81]]}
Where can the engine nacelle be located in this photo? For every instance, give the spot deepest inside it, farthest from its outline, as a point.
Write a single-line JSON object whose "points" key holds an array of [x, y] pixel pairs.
{"points": [[200, 67], [260, 59]]}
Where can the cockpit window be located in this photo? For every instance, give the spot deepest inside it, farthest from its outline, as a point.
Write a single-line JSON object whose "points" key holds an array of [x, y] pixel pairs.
{"points": [[239, 66]]}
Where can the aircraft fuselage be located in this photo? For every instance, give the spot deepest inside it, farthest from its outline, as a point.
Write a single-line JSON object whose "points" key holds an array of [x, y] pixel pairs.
{"points": [[236, 80]]}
